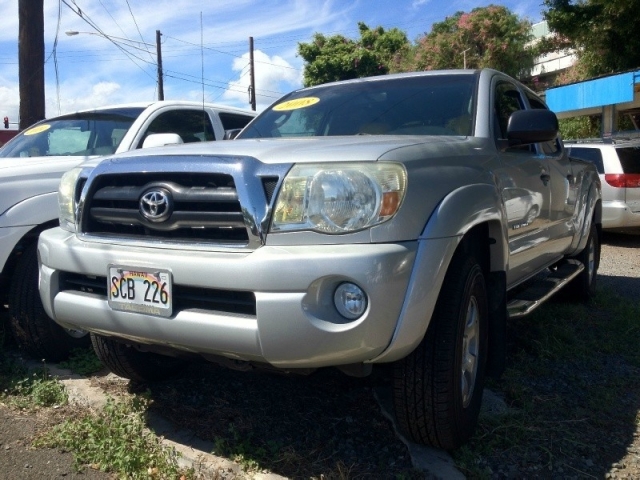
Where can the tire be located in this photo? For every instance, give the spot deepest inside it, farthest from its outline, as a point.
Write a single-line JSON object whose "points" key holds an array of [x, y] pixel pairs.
{"points": [[32, 329], [438, 387], [532, 214], [128, 362], [583, 287]]}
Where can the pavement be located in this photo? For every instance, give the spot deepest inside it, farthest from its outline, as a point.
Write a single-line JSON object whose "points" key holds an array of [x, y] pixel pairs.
{"points": [[194, 452]]}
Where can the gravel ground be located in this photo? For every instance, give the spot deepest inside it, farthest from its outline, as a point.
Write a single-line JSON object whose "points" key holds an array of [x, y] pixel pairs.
{"points": [[620, 264], [620, 271]]}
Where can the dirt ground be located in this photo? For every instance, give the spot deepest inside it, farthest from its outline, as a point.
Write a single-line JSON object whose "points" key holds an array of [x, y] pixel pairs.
{"points": [[620, 270], [19, 460]]}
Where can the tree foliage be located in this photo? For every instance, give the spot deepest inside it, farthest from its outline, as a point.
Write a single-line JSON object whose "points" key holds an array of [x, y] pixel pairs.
{"points": [[580, 127], [486, 37], [339, 58], [604, 33]]}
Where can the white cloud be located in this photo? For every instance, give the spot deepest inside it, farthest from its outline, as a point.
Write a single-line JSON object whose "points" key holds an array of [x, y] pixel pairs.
{"points": [[274, 76]]}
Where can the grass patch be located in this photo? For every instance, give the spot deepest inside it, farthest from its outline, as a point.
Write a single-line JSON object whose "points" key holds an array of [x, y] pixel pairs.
{"points": [[28, 390], [83, 361], [571, 387], [116, 440], [242, 449]]}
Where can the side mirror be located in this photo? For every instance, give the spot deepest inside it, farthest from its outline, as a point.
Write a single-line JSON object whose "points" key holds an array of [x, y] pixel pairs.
{"points": [[231, 134], [532, 126], [161, 140]]}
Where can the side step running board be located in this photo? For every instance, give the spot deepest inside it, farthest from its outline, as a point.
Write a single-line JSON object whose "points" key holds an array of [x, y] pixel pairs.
{"points": [[539, 291]]}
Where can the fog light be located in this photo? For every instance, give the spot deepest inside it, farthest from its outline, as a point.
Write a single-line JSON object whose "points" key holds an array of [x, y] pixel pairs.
{"points": [[350, 300]]}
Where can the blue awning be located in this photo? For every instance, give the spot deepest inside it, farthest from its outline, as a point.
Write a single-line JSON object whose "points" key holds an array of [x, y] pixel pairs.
{"points": [[599, 92]]}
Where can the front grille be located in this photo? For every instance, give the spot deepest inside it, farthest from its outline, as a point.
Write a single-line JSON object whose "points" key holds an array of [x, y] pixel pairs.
{"points": [[205, 207], [184, 297]]}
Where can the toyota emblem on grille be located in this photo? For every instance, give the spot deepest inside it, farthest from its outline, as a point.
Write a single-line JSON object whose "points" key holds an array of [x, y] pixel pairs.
{"points": [[156, 205]]}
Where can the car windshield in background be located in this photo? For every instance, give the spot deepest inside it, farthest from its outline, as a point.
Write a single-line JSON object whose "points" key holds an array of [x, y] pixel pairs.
{"points": [[432, 105], [78, 134]]}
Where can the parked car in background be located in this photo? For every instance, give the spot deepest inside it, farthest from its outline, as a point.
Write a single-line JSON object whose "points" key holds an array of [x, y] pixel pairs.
{"points": [[31, 165], [349, 225], [618, 164], [6, 135]]}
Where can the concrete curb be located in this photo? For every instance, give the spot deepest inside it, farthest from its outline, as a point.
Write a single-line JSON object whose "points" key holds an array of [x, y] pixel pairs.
{"points": [[193, 451]]}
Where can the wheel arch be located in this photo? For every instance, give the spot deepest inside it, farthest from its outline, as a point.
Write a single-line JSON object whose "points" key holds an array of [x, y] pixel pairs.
{"points": [[420, 301], [10, 264]]}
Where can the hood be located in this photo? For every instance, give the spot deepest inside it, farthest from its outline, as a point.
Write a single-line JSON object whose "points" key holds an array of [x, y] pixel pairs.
{"points": [[22, 179], [307, 150], [33, 165]]}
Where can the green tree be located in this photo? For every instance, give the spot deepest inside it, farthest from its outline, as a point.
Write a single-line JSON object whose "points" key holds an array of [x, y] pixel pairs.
{"points": [[339, 58], [580, 127], [604, 33], [485, 37]]}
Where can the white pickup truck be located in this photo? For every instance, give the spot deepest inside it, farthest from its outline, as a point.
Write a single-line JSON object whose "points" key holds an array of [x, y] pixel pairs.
{"points": [[31, 165]]}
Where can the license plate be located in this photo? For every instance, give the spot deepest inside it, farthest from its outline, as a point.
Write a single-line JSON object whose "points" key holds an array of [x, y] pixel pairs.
{"points": [[140, 290]]}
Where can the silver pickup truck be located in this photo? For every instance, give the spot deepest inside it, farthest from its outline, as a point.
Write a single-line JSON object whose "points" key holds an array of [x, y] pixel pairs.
{"points": [[397, 219]]}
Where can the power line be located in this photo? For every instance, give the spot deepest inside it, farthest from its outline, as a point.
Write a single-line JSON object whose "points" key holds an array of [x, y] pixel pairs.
{"points": [[93, 25], [137, 27]]}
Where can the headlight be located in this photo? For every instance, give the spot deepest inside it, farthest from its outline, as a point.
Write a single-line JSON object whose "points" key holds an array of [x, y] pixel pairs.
{"points": [[67, 200], [341, 198]]}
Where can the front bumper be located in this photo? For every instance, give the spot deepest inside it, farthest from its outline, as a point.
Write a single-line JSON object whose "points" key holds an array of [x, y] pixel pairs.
{"points": [[295, 324]]}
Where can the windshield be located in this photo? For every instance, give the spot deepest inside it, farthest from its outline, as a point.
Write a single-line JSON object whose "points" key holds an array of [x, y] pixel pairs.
{"points": [[422, 105], [78, 134]]}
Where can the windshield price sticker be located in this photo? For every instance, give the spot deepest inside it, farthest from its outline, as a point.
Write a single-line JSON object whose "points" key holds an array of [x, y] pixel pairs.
{"points": [[140, 290], [296, 104]]}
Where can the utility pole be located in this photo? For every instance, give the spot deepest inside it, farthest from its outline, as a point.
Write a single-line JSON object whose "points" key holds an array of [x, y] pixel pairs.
{"points": [[252, 87], [31, 61], [159, 58]]}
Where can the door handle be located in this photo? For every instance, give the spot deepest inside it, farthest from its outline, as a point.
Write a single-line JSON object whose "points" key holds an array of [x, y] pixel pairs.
{"points": [[545, 177]]}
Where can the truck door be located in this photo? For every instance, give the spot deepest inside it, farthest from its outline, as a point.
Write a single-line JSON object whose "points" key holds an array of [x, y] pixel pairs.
{"points": [[524, 181], [563, 184]]}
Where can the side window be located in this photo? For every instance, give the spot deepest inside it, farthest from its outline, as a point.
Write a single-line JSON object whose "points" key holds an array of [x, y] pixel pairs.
{"points": [[548, 148], [593, 155], [191, 125], [507, 100], [231, 121]]}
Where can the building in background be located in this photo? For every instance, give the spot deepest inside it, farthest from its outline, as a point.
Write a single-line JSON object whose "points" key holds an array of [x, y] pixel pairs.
{"points": [[547, 67]]}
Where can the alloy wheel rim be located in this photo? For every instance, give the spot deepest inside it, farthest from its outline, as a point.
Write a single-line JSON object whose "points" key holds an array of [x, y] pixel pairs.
{"points": [[591, 262], [470, 348]]}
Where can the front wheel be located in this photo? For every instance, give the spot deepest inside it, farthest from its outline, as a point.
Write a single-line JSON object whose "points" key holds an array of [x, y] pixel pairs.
{"points": [[128, 362], [32, 329], [438, 387]]}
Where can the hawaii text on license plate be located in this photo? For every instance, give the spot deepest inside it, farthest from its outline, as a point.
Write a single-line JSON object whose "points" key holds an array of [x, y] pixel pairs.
{"points": [[140, 290]]}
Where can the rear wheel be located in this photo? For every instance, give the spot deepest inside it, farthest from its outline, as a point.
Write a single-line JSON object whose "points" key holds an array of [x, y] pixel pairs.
{"points": [[438, 387], [32, 329], [583, 287], [128, 362]]}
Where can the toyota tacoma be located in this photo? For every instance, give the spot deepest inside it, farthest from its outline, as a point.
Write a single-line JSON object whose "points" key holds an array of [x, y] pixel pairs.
{"points": [[398, 219]]}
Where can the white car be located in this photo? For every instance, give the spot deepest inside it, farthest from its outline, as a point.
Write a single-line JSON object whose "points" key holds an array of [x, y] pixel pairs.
{"points": [[31, 165], [618, 164]]}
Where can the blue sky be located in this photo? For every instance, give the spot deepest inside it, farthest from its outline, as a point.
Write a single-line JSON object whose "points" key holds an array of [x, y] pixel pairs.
{"points": [[200, 40]]}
